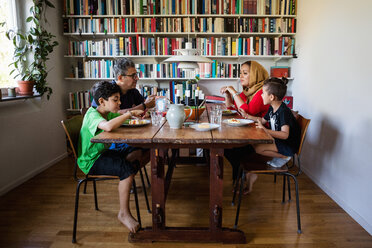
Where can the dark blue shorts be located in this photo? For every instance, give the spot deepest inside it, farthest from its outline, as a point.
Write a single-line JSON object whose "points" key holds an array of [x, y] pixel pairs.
{"points": [[283, 148], [112, 162]]}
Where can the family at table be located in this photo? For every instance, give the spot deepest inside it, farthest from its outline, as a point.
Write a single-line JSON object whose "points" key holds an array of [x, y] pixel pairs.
{"points": [[114, 102]]}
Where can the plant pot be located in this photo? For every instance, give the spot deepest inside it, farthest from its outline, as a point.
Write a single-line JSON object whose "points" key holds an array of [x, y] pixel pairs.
{"points": [[26, 88]]}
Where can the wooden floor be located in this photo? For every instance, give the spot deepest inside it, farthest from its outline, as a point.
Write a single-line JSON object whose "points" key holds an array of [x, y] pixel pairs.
{"points": [[39, 213]]}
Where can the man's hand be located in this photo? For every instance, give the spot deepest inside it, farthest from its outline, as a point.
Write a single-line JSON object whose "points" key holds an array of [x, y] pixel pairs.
{"points": [[137, 112], [150, 101]]}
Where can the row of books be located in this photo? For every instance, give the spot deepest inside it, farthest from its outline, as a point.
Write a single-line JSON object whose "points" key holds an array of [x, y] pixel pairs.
{"points": [[80, 99], [211, 46], [179, 24], [168, 7], [104, 69]]}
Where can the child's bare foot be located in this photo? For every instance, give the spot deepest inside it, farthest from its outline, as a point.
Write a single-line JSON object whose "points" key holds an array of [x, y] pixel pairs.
{"points": [[129, 222], [250, 181]]}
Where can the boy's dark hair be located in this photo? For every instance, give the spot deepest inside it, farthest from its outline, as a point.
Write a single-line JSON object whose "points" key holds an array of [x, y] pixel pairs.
{"points": [[121, 66], [104, 89], [276, 86]]}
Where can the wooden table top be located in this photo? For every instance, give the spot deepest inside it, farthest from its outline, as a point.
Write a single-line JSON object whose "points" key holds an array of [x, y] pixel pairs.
{"points": [[163, 134]]}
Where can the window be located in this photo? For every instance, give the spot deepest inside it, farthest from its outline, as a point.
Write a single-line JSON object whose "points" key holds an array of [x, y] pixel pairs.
{"points": [[7, 15]]}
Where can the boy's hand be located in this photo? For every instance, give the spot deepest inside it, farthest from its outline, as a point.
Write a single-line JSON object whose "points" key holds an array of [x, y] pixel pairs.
{"points": [[259, 124], [137, 112]]}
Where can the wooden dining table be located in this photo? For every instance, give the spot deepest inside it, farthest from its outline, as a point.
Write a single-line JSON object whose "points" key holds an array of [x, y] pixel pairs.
{"points": [[160, 139]]}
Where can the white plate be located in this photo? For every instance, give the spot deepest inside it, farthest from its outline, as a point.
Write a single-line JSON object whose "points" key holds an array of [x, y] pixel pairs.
{"points": [[144, 123], [229, 112], [242, 122], [201, 127]]}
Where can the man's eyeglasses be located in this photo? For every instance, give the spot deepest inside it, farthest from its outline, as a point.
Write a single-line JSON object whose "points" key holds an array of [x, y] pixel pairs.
{"points": [[134, 75]]}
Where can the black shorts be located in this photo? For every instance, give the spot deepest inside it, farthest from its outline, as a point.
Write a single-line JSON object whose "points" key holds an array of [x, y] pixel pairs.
{"points": [[283, 148], [113, 163]]}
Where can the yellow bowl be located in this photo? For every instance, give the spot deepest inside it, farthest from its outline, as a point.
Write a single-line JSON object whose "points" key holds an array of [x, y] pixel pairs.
{"points": [[192, 117]]}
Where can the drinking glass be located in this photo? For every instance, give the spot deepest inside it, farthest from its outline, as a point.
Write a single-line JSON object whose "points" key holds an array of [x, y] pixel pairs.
{"points": [[216, 116], [156, 117]]}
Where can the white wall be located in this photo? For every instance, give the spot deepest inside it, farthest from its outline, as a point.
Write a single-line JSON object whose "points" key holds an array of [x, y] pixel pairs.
{"points": [[31, 134], [333, 88]]}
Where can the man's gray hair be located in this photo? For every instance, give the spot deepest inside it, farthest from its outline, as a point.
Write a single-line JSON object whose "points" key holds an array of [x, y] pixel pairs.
{"points": [[121, 66]]}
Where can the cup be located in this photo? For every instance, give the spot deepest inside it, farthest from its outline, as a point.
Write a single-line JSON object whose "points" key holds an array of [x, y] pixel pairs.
{"points": [[11, 92], [156, 117], [216, 116]]}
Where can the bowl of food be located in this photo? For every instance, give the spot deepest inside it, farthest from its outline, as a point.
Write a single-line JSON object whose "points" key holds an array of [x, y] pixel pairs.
{"points": [[194, 110]]}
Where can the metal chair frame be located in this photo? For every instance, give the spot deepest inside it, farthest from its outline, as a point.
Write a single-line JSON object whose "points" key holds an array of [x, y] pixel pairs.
{"points": [[284, 171], [73, 136]]}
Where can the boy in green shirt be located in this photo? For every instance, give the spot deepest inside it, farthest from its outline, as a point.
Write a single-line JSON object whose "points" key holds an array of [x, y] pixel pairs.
{"points": [[97, 159]]}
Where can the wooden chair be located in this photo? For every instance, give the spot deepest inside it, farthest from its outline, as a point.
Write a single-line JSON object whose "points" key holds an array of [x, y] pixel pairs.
{"points": [[256, 163], [72, 129]]}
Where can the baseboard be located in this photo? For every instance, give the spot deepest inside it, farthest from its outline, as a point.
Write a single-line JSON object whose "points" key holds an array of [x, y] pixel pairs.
{"points": [[361, 221], [31, 174]]}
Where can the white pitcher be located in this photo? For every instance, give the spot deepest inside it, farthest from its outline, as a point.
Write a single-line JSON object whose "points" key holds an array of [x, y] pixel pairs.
{"points": [[176, 115]]}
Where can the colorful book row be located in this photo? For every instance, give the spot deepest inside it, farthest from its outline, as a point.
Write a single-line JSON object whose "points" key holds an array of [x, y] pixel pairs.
{"points": [[81, 99], [179, 24], [184, 7], [212, 46]]}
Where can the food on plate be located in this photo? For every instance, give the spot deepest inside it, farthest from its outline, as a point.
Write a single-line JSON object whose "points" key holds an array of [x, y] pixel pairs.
{"points": [[227, 111], [136, 122], [204, 125], [233, 121]]}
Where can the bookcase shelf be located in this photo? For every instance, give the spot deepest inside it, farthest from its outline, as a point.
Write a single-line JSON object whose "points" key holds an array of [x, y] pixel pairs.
{"points": [[147, 32]]}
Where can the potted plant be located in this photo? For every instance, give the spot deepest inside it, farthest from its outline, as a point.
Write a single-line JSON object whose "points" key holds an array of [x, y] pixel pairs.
{"points": [[31, 51]]}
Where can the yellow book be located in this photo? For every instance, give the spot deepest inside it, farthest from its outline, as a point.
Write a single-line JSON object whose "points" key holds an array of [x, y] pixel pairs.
{"points": [[233, 48]]}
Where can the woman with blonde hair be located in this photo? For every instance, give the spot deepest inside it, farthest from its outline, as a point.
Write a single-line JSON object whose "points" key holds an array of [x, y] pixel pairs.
{"points": [[250, 105]]}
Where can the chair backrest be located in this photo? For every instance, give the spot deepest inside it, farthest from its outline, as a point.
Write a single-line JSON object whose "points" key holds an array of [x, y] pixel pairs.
{"points": [[304, 124], [72, 128]]}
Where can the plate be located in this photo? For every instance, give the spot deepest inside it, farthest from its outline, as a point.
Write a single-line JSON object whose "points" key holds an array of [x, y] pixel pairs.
{"points": [[204, 126], [241, 122], [229, 112], [141, 124]]}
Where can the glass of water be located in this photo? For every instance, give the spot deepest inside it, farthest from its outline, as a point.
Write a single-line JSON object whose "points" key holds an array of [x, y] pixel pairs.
{"points": [[216, 116], [156, 118]]}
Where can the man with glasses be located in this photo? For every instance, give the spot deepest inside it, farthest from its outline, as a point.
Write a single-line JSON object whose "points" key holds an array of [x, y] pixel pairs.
{"points": [[126, 77]]}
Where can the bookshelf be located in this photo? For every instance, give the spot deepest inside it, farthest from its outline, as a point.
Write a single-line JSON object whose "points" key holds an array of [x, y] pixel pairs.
{"points": [[147, 31]]}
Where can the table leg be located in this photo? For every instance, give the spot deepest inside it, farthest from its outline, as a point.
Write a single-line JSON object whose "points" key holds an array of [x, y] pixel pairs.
{"points": [[215, 233]]}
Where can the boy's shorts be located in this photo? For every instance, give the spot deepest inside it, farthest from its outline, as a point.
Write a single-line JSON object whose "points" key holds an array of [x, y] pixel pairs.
{"points": [[112, 162], [283, 148]]}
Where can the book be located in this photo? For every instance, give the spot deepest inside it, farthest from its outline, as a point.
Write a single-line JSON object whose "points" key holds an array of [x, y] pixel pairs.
{"points": [[288, 100], [279, 71]]}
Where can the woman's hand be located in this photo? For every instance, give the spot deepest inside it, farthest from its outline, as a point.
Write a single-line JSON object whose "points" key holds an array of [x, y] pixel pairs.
{"points": [[243, 113], [228, 90]]}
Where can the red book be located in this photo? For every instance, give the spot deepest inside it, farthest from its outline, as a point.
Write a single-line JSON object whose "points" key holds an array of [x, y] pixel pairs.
{"points": [[288, 100], [214, 97], [279, 71]]}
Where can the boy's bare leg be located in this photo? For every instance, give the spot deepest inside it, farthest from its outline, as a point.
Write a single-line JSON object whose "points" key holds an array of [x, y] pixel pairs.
{"points": [[125, 215], [142, 156], [251, 179], [269, 150]]}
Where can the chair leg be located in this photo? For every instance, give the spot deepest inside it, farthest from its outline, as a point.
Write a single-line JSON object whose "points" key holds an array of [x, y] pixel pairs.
{"points": [[76, 210], [85, 187], [239, 200], [144, 191], [136, 201], [289, 189], [299, 231], [147, 178], [235, 186], [95, 194], [283, 199]]}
